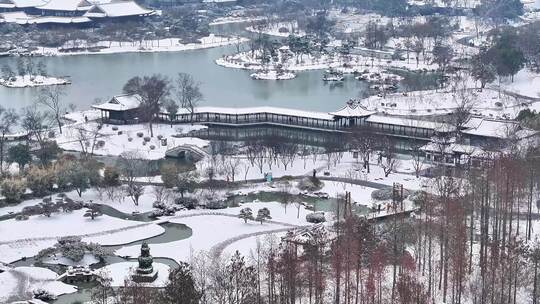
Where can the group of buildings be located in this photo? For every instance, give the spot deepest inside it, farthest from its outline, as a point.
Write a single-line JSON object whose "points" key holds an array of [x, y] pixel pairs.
{"points": [[474, 143], [69, 12]]}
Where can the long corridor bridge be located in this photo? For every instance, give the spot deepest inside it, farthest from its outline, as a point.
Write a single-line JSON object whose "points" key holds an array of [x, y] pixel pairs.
{"points": [[341, 121]]}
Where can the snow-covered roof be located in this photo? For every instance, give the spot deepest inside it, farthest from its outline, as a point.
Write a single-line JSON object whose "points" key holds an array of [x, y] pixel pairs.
{"points": [[66, 5], [121, 103], [352, 110], [406, 122], [118, 9], [23, 18], [454, 148], [20, 3], [7, 4], [259, 110], [58, 20], [14, 17], [496, 128]]}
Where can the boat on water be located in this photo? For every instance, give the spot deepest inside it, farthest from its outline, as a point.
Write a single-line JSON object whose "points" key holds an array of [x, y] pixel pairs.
{"points": [[333, 75]]}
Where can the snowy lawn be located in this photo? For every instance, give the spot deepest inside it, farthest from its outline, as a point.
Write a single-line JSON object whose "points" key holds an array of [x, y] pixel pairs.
{"points": [[145, 46], [18, 283], [212, 231], [27, 238], [115, 143], [488, 102]]}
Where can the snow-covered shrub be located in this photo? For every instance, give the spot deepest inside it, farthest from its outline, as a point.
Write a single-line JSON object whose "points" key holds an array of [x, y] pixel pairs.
{"points": [[315, 217], [43, 295], [140, 134], [386, 194], [418, 197], [51, 134], [31, 210], [498, 104], [159, 137], [13, 189], [187, 202], [147, 138], [216, 205], [152, 147], [130, 139], [310, 184], [115, 128], [120, 132], [100, 143], [21, 217], [283, 30], [40, 180], [144, 143]]}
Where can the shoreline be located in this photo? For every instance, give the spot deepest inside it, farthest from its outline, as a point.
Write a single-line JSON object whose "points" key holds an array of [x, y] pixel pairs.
{"points": [[127, 47]]}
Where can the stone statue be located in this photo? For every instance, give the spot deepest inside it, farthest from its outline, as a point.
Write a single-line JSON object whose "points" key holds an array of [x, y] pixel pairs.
{"points": [[145, 260]]}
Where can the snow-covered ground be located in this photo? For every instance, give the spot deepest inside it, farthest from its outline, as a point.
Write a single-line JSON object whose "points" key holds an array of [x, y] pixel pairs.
{"points": [[234, 19], [58, 259], [229, 230], [291, 62], [27, 238], [279, 29], [487, 102], [18, 283], [146, 46], [32, 81], [273, 75], [525, 83], [115, 143]]}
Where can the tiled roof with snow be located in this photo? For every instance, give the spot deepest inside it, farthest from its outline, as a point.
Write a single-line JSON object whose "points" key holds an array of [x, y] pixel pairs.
{"points": [[23, 18], [496, 128], [14, 17], [121, 103], [27, 3], [259, 110], [118, 9], [352, 110], [58, 20], [406, 122], [66, 5]]}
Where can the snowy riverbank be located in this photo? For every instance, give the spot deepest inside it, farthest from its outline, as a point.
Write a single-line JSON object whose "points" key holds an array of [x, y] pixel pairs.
{"points": [[32, 81], [273, 75], [144, 46]]}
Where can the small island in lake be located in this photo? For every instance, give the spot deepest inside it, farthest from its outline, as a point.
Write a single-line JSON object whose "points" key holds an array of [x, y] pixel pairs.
{"points": [[29, 73]]}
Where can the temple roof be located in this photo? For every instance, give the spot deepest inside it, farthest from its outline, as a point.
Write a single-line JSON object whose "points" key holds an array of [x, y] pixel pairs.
{"points": [[118, 9], [66, 5], [121, 103], [352, 110], [496, 128]]}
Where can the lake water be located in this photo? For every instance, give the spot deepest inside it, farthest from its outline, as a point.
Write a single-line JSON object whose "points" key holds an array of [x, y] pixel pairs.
{"points": [[102, 76]]}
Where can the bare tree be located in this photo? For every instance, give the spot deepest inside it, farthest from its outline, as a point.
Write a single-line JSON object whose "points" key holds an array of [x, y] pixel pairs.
{"points": [[188, 92], [50, 97], [153, 91], [132, 165], [8, 119], [231, 165]]}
